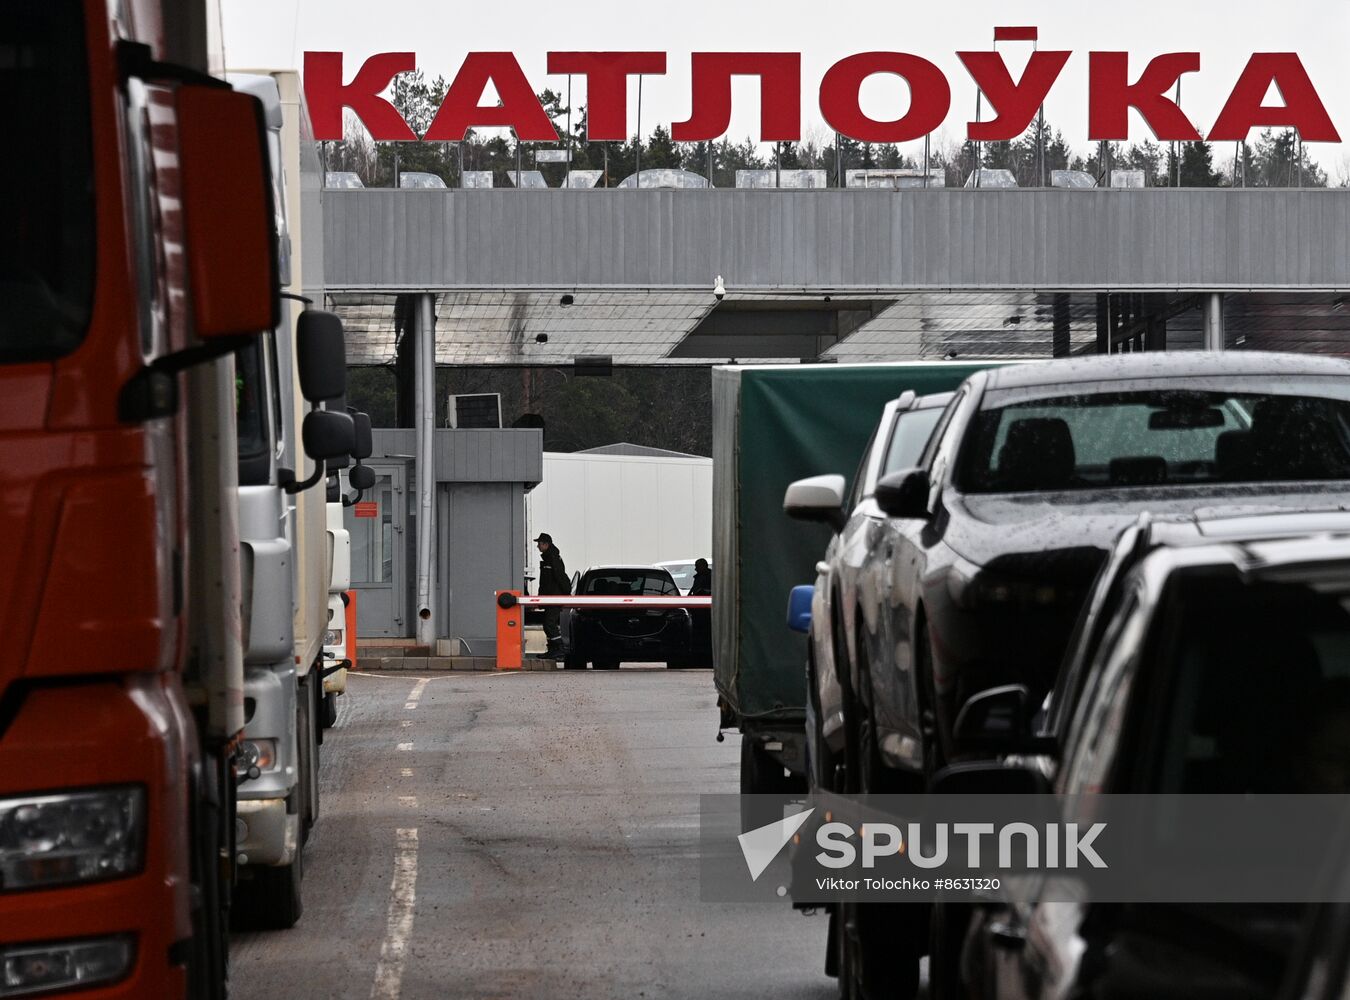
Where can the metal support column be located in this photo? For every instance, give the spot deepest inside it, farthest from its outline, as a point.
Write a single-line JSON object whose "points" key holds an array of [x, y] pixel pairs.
{"points": [[426, 469], [1060, 341], [1103, 323], [1213, 307]]}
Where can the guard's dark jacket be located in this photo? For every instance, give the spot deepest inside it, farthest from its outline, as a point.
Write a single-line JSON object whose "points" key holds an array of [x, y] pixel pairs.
{"points": [[552, 573]]}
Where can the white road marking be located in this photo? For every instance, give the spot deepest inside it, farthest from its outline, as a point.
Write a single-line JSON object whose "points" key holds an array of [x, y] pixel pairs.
{"points": [[410, 705], [417, 690], [405, 746], [405, 723], [399, 923], [406, 772]]}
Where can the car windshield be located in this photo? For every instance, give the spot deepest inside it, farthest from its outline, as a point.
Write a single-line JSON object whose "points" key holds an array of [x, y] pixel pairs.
{"points": [[1256, 689], [630, 583], [1153, 438], [46, 182], [683, 574], [911, 434]]}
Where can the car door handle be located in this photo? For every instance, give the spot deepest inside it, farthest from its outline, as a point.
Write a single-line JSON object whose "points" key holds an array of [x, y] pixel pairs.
{"points": [[1008, 935]]}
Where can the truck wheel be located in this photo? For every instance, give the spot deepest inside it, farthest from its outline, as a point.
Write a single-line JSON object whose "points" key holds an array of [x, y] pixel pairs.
{"points": [[573, 662], [271, 899], [606, 664], [329, 713], [879, 946]]}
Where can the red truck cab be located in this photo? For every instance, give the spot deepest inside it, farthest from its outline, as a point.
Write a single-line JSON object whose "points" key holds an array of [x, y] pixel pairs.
{"points": [[114, 306]]}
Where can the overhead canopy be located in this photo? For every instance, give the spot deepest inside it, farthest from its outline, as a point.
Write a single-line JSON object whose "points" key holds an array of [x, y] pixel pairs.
{"points": [[691, 327]]}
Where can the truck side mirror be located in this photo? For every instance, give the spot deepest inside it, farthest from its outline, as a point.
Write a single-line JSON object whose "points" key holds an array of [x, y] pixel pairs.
{"points": [[819, 498], [904, 493], [321, 352], [327, 435], [228, 215], [361, 478], [365, 441]]}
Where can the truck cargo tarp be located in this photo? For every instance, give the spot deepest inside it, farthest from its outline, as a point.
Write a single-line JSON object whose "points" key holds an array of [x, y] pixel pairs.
{"points": [[771, 426]]}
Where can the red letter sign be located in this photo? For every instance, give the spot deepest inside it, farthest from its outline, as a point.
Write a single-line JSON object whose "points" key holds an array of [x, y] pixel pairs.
{"points": [[520, 110], [1111, 95], [929, 97], [1302, 109], [326, 95], [1014, 103], [780, 95], [607, 76]]}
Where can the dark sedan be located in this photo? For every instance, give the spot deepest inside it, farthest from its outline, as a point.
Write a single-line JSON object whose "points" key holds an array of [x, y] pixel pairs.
{"points": [[993, 539], [606, 638]]}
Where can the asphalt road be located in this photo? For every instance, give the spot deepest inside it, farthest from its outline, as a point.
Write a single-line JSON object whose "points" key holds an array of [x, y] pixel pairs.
{"points": [[525, 835]]}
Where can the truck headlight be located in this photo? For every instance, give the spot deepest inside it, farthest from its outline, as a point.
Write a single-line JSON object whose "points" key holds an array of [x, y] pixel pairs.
{"points": [[261, 754], [49, 840], [333, 637], [29, 969]]}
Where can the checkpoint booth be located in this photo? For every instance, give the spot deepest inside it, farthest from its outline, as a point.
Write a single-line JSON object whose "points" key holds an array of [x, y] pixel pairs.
{"points": [[482, 476]]}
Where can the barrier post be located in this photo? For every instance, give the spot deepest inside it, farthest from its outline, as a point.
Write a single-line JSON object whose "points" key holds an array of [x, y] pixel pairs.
{"points": [[510, 630]]}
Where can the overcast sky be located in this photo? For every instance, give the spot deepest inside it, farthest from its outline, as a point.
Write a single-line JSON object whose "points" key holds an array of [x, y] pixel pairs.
{"points": [[274, 34]]}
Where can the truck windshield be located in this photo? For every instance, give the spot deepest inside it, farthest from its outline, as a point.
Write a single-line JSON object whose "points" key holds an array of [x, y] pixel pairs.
{"points": [[46, 182], [1110, 440]]}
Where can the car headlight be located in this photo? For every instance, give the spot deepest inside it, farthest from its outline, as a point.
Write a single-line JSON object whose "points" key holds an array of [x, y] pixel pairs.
{"points": [[50, 840], [971, 586], [29, 969], [333, 637]]}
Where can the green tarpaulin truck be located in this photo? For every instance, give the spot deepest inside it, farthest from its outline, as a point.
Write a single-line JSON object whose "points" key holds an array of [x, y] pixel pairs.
{"points": [[771, 426]]}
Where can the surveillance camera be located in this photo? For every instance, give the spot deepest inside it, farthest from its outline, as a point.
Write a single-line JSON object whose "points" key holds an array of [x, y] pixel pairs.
{"points": [[719, 289]]}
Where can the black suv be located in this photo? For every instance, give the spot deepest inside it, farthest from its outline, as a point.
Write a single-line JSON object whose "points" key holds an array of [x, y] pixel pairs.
{"points": [[993, 539]]}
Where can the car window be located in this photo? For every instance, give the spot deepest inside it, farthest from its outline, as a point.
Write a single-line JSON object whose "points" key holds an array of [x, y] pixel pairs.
{"points": [[935, 439], [631, 583], [1096, 732], [1153, 437], [1252, 693], [858, 488], [682, 573], [1086, 639], [909, 438]]}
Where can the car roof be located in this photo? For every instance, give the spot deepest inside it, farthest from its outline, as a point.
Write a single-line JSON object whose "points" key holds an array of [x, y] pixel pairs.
{"points": [[610, 568], [1163, 364]]}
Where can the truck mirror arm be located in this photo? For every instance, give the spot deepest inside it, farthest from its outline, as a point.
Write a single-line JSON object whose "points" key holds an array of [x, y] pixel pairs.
{"points": [[288, 482]]}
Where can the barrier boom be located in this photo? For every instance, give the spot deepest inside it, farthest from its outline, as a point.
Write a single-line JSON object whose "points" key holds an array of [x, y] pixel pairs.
{"points": [[511, 617]]}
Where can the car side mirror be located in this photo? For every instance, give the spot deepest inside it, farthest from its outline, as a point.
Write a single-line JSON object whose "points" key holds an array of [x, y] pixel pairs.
{"points": [[819, 498], [228, 215], [321, 353], [998, 721], [361, 478], [365, 440], [799, 608], [904, 493], [327, 435]]}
